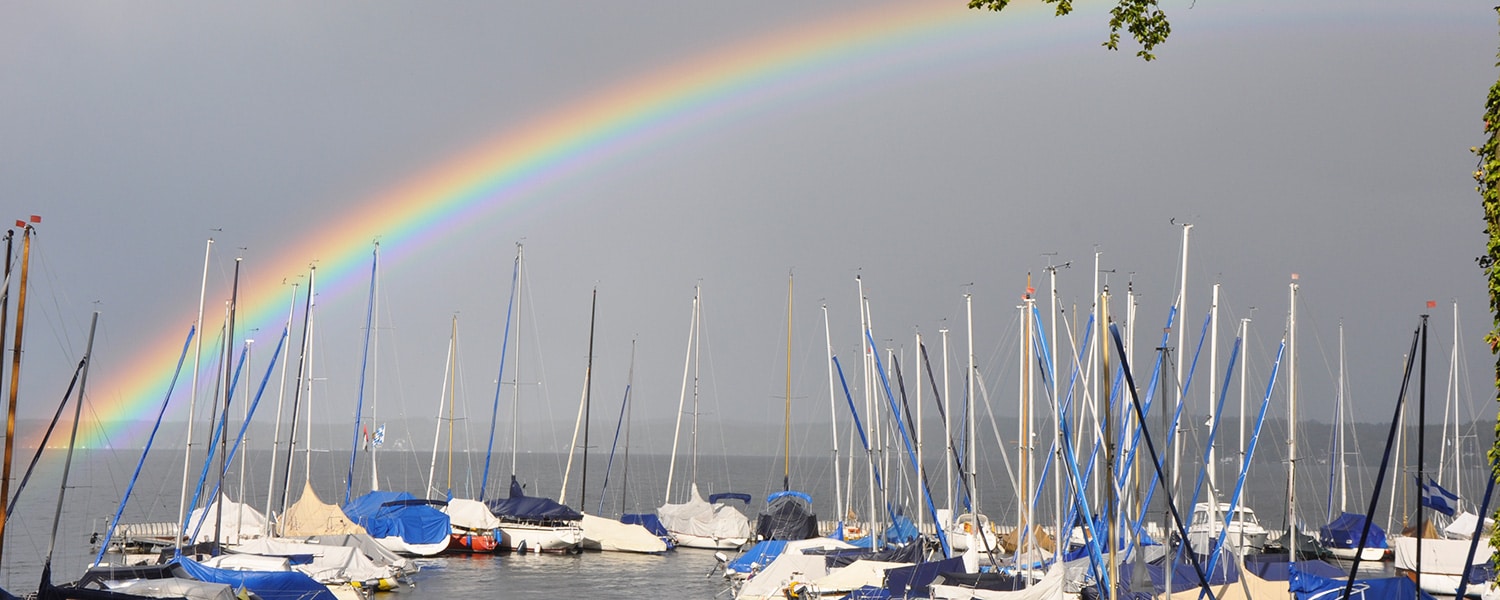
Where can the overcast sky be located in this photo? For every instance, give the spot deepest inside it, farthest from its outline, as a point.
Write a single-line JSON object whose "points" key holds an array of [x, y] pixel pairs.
{"points": [[1325, 139]]}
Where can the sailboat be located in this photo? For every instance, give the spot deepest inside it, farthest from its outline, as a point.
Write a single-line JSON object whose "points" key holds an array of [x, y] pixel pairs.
{"points": [[599, 532], [788, 514], [529, 523], [473, 526], [1342, 534], [698, 523]]}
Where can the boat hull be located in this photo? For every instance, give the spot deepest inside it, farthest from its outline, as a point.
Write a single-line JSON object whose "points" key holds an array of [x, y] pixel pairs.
{"points": [[1369, 554], [688, 540], [531, 537], [472, 543]]}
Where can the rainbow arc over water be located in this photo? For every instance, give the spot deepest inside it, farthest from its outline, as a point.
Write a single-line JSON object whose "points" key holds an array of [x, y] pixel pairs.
{"points": [[497, 179]]}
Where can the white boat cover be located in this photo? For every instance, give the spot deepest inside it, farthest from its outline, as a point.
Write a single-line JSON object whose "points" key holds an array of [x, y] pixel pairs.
{"points": [[855, 575], [698, 517], [378, 554], [310, 516], [470, 514], [330, 564], [174, 587], [248, 562], [1439, 557], [791, 568], [1462, 527], [1049, 586], [240, 522], [602, 533]]}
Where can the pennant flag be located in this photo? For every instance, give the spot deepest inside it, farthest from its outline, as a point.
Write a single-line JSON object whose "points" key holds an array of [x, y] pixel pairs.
{"points": [[379, 437], [1437, 498], [36, 218]]}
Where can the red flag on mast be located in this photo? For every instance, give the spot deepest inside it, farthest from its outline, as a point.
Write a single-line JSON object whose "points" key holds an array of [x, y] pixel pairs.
{"points": [[36, 218]]}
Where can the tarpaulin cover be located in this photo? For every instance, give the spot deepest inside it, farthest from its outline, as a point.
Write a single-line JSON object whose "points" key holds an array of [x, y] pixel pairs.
{"points": [[393, 514], [698, 518], [904, 581], [901, 531], [907, 553], [269, 585], [520, 507], [470, 514], [1185, 576], [647, 520], [1276, 567], [1344, 532], [311, 516], [327, 564], [1306, 586], [787, 516], [758, 556], [236, 523]]}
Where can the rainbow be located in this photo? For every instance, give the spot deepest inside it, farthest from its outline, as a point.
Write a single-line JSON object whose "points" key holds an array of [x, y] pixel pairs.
{"points": [[497, 179]]}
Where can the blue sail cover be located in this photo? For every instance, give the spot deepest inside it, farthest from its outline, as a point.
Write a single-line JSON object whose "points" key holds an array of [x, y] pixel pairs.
{"points": [[1344, 532], [1306, 586], [757, 557], [647, 520], [270, 585], [399, 514], [520, 507]]}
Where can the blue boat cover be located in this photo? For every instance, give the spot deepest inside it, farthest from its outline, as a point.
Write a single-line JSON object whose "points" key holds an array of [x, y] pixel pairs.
{"points": [[908, 553], [270, 585], [901, 531], [772, 498], [647, 520], [1277, 567], [912, 582], [520, 507], [1344, 532], [1184, 576], [715, 498], [399, 514], [760, 555], [787, 516], [1307, 586]]}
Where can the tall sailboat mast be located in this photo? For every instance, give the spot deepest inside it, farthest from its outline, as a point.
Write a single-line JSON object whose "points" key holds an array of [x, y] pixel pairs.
{"points": [[682, 396], [786, 473], [187, 451], [15, 368], [1291, 411], [838, 489], [515, 404]]}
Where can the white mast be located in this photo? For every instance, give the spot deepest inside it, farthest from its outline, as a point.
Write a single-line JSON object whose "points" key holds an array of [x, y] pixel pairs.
{"points": [[187, 452], [312, 302], [437, 434], [1181, 356], [515, 403], [1291, 411], [280, 403], [375, 368], [838, 489], [947, 427], [682, 396], [921, 478], [972, 471], [1213, 384]]}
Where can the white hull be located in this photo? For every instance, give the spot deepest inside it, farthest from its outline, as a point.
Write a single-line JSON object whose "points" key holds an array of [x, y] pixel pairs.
{"points": [[400, 546], [540, 538], [1369, 554], [688, 540]]}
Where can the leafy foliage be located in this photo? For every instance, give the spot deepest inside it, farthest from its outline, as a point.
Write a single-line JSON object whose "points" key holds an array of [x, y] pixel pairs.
{"points": [[1144, 20], [1487, 174]]}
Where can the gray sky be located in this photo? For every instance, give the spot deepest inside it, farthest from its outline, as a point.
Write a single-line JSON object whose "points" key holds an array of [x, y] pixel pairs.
{"points": [[1328, 140]]}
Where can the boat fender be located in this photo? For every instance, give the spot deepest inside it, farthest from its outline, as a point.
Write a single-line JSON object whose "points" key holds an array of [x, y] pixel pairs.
{"points": [[796, 590]]}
